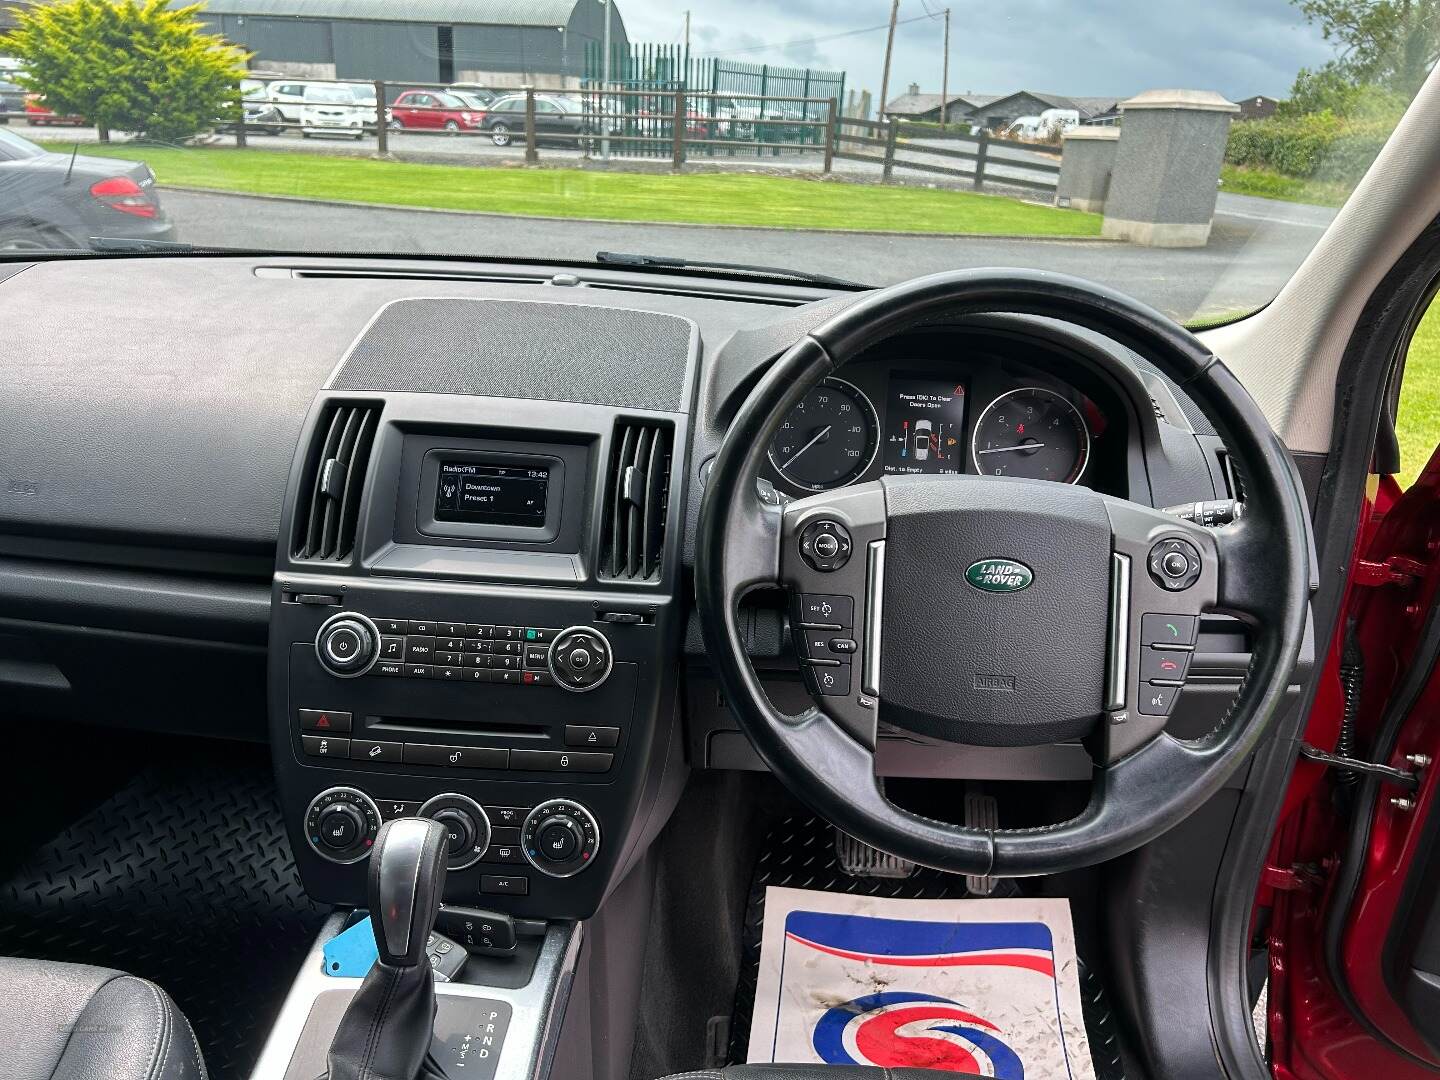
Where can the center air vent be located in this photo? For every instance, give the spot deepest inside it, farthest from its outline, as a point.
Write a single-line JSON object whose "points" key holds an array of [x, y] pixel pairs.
{"points": [[637, 496], [329, 503]]}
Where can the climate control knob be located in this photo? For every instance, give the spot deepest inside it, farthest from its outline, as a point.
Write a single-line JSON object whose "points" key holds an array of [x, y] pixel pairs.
{"points": [[467, 828], [347, 645], [580, 658], [341, 823], [560, 838]]}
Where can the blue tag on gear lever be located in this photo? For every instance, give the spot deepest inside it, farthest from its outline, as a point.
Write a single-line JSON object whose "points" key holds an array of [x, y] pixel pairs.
{"points": [[351, 953]]}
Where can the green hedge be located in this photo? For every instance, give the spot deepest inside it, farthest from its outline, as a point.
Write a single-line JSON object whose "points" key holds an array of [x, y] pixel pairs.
{"points": [[1318, 146]]}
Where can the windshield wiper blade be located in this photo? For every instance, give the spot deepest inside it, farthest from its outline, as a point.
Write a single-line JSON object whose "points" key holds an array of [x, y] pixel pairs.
{"points": [[621, 258], [131, 243]]}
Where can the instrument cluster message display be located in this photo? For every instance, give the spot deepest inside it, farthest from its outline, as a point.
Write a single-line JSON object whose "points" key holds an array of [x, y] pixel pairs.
{"points": [[924, 425], [492, 494]]}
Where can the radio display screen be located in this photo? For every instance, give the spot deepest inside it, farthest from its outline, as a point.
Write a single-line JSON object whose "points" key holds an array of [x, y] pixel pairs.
{"points": [[487, 493]]}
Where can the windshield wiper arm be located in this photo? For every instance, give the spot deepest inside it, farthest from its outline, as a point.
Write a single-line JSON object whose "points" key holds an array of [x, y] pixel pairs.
{"points": [[621, 258]]}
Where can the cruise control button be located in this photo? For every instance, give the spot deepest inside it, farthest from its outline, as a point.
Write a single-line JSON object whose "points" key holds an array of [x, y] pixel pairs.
{"points": [[324, 720], [829, 680], [1163, 665], [827, 609], [1157, 700], [1167, 629]]}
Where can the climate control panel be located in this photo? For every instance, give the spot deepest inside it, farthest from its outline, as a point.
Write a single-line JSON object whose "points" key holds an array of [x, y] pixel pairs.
{"points": [[560, 838], [341, 824]]}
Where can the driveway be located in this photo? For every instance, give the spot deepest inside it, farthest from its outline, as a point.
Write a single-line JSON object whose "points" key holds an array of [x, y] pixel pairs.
{"points": [[1244, 265]]}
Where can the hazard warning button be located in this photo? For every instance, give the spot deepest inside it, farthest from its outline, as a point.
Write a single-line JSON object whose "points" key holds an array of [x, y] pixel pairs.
{"points": [[324, 720]]}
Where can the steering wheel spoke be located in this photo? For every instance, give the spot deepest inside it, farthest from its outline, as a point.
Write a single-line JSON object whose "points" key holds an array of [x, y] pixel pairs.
{"points": [[1163, 574], [832, 560]]}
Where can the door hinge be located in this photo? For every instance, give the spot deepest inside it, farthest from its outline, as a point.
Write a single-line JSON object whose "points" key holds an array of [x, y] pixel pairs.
{"points": [[1396, 570], [1297, 878], [1406, 779]]}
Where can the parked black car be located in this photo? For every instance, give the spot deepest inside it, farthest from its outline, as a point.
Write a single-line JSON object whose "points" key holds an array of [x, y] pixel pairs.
{"points": [[50, 200], [12, 100], [554, 115]]}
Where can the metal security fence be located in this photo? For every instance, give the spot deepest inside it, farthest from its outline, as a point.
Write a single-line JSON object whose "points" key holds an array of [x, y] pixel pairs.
{"points": [[979, 158], [737, 102]]}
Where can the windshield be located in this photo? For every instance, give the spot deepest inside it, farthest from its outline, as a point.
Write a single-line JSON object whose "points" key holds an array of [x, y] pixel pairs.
{"points": [[1190, 155]]}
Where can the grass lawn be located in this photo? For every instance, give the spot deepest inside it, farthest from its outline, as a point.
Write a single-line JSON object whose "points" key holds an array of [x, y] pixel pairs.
{"points": [[702, 198], [1274, 185], [1418, 421]]}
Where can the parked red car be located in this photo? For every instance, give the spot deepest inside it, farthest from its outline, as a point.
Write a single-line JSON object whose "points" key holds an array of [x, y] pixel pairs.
{"points": [[434, 111], [36, 114]]}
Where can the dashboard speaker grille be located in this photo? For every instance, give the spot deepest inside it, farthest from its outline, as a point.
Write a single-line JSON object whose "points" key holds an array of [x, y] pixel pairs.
{"points": [[637, 496], [329, 506]]}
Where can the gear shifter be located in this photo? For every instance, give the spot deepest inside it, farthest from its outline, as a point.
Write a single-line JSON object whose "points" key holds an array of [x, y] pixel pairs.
{"points": [[387, 1028]]}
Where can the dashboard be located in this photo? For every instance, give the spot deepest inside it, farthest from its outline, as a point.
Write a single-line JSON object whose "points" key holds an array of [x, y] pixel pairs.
{"points": [[431, 526]]}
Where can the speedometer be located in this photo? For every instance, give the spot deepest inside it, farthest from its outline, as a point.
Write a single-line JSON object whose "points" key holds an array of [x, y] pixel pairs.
{"points": [[828, 439], [1033, 433]]}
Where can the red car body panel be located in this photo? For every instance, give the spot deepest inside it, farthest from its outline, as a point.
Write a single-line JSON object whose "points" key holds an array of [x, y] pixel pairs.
{"points": [[1314, 1035]]}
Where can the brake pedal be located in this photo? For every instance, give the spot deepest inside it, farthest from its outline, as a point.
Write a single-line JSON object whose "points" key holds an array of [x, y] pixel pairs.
{"points": [[982, 812], [859, 859]]}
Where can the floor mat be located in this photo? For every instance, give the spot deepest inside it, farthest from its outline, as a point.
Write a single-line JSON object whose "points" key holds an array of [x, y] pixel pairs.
{"points": [[799, 853], [184, 876]]}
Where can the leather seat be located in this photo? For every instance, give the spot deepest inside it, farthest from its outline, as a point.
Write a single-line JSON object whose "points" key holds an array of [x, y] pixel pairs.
{"points": [[818, 1072], [75, 1022]]}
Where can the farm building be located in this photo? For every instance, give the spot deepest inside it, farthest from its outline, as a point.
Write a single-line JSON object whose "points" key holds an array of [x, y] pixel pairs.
{"points": [[491, 42]]}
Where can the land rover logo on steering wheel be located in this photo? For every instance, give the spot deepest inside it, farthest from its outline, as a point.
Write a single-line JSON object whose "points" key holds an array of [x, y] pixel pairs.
{"points": [[999, 575]]}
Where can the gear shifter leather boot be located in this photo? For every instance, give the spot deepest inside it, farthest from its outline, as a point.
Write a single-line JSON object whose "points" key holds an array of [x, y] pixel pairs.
{"points": [[386, 1031]]}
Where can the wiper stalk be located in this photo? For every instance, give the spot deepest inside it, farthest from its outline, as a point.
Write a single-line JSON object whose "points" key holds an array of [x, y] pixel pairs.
{"points": [[621, 258]]}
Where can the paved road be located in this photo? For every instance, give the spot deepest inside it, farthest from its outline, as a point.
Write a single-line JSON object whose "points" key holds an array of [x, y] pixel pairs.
{"points": [[1242, 267]]}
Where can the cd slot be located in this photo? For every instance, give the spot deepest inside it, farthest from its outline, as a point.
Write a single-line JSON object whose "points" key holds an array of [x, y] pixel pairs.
{"points": [[411, 726]]}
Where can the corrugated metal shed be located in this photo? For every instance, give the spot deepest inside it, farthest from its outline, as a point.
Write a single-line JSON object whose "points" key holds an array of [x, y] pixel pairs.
{"points": [[552, 13]]}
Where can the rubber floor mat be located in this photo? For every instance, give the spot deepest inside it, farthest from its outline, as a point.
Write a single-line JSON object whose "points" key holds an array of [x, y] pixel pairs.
{"points": [[799, 853], [185, 877]]}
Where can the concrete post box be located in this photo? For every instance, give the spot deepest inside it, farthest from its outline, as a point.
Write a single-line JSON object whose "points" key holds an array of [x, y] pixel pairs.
{"points": [[1167, 167], [1085, 167]]}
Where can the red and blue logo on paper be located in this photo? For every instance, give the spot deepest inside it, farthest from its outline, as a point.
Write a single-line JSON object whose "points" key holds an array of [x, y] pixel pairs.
{"points": [[898, 1027]]}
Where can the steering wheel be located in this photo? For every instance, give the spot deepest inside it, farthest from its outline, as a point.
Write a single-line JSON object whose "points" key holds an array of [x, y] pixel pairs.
{"points": [[997, 612]]}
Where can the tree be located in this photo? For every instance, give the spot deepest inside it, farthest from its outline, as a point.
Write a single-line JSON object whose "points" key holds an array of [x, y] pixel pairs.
{"points": [[127, 65], [1388, 43]]}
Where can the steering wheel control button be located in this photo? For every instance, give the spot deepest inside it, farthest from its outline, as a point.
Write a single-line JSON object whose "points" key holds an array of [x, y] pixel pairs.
{"points": [[324, 720], [324, 746], [825, 545], [1163, 665], [1157, 700], [826, 611], [579, 658], [347, 645], [828, 680], [467, 829], [341, 823], [1174, 564], [560, 838], [1168, 631]]}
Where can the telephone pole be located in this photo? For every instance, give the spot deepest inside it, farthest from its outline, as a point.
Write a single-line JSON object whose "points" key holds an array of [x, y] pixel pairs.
{"points": [[945, 75], [889, 47]]}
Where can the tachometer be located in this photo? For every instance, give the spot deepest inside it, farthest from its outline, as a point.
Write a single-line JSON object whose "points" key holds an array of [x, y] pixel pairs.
{"points": [[1034, 433], [828, 439]]}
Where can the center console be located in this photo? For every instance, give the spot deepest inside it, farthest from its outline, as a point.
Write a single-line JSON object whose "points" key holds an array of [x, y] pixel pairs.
{"points": [[474, 620]]}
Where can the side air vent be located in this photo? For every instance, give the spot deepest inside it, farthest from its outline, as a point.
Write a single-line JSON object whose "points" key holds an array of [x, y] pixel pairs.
{"points": [[637, 497], [329, 503]]}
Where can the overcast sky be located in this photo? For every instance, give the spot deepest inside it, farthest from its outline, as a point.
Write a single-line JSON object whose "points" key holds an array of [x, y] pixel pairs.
{"points": [[1100, 47]]}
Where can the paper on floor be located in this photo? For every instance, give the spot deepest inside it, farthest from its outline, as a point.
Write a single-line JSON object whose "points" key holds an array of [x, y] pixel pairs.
{"points": [[980, 986]]}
